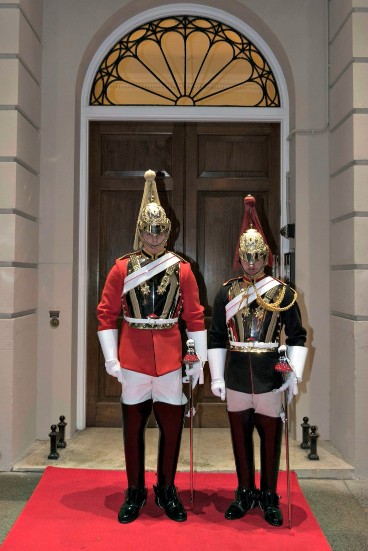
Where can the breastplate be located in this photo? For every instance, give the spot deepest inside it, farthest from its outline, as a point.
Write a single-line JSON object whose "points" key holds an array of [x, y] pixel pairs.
{"points": [[252, 322], [157, 297]]}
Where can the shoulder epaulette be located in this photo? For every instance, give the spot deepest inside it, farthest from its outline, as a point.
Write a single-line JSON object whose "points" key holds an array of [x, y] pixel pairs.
{"points": [[128, 255], [180, 257], [279, 280], [239, 278]]}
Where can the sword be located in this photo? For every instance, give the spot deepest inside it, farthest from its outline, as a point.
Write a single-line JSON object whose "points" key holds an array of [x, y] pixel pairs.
{"points": [[286, 411], [283, 366], [190, 358]]}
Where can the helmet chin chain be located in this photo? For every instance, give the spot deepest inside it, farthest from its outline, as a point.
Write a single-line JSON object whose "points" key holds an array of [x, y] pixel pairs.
{"points": [[152, 246], [253, 277], [257, 275]]}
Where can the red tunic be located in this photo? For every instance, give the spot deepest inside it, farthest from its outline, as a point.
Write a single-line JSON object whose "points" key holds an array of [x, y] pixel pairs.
{"points": [[149, 351]]}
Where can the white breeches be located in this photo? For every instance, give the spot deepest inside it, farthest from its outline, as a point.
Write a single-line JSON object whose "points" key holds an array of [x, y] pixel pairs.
{"points": [[138, 388], [268, 403]]}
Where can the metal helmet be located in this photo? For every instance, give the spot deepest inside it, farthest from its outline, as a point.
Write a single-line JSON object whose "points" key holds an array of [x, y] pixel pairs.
{"points": [[153, 220], [252, 246]]}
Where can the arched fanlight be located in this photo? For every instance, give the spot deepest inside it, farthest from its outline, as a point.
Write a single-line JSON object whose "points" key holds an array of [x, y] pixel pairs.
{"points": [[185, 60]]}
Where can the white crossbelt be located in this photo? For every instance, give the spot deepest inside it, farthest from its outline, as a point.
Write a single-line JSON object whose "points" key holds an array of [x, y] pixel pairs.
{"points": [[262, 287], [149, 270]]}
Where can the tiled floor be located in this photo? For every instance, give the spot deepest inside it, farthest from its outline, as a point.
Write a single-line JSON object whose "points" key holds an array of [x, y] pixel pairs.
{"points": [[103, 449]]}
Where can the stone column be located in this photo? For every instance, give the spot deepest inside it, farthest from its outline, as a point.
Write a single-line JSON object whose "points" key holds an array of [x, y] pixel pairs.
{"points": [[20, 121], [349, 228]]}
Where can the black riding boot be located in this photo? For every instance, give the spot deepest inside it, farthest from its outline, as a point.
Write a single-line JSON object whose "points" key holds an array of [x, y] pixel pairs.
{"points": [[270, 433], [241, 427], [135, 418], [170, 419]]}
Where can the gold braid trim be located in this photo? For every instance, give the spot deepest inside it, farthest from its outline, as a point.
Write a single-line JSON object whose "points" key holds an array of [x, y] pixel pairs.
{"points": [[166, 279], [245, 298], [174, 288], [144, 287], [275, 306]]}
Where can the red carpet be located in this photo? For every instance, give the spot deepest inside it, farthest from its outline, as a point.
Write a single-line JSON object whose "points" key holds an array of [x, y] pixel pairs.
{"points": [[76, 509]]}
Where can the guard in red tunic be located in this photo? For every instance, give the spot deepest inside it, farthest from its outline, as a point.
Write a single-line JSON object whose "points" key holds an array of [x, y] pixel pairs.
{"points": [[153, 288], [248, 315]]}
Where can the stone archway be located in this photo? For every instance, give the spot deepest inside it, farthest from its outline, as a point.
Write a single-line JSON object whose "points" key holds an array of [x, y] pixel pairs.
{"points": [[233, 114]]}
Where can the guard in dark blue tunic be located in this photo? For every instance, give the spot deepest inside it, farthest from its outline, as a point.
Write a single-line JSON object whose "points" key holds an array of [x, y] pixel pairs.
{"points": [[249, 313]]}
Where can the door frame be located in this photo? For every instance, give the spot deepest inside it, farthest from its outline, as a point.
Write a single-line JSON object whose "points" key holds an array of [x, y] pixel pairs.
{"points": [[174, 114]]}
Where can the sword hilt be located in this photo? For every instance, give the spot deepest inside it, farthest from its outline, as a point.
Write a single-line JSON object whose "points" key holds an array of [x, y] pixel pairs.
{"points": [[191, 356]]}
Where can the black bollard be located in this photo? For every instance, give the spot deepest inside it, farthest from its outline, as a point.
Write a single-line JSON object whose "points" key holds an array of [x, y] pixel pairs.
{"points": [[53, 443], [61, 434], [313, 455], [305, 445]]}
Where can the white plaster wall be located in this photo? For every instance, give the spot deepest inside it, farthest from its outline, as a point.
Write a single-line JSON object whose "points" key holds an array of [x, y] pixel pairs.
{"points": [[349, 216], [20, 100], [72, 33], [343, 380], [6, 374], [24, 384], [312, 276], [361, 393]]}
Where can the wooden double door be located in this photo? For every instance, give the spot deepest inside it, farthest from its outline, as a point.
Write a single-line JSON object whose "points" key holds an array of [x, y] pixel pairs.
{"points": [[204, 171]]}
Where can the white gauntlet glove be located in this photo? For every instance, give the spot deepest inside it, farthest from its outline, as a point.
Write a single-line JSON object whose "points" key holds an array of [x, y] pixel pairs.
{"points": [[216, 361], [113, 368], [109, 344], [290, 384], [296, 357], [193, 372]]}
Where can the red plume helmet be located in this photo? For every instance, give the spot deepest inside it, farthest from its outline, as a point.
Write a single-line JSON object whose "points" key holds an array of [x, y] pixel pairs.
{"points": [[250, 221]]}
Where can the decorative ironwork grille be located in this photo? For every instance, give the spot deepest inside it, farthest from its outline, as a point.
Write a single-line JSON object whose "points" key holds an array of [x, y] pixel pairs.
{"points": [[185, 60]]}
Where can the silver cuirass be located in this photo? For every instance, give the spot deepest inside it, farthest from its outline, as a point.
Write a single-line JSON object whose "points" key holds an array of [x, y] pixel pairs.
{"points": [[156, 298], [252, 323]]}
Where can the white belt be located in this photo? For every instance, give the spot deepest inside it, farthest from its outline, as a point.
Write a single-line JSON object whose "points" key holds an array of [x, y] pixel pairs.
{"points": [[151, 323], [254, 344]]}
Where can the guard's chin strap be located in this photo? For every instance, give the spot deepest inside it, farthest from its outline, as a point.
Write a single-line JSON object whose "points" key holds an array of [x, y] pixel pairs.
{"points": [[160, 246], [254, 277]]}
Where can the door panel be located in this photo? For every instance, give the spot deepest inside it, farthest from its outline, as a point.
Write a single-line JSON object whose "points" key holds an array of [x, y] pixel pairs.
{"points": [[225, 163], [120, 153], [204, 170]]}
